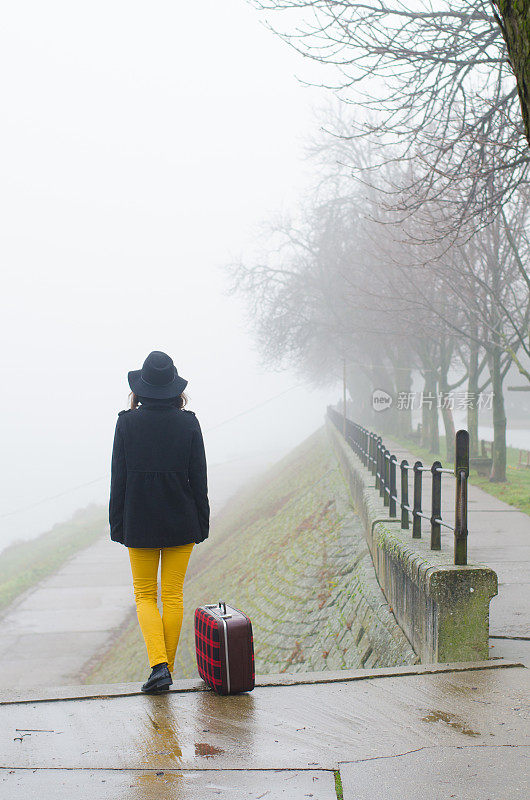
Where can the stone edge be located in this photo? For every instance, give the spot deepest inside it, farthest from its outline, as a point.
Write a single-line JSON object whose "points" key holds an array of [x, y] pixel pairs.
{"points": [[107, 690]]}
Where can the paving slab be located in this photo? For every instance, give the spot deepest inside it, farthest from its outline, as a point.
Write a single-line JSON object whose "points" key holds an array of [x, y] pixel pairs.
{"points": [[39, 645], [515, 649], [52, 668], [469, 772], [56, 784], [305, 726]]}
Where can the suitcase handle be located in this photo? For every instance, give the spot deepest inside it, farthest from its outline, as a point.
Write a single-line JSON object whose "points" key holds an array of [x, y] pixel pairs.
{"points": [[219, 607]]}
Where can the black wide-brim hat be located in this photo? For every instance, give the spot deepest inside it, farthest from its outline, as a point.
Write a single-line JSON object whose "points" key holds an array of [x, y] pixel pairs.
{"points": [[157, 378]]}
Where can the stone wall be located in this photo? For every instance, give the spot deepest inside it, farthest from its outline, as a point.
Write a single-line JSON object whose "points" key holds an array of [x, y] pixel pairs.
{"points": [[442, 609]]}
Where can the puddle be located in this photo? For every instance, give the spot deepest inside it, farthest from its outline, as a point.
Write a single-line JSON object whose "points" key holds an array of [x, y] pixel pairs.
{"points": [[451, 720], [205, 749]]}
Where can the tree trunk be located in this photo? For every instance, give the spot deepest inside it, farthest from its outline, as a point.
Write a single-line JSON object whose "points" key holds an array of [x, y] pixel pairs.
{"points": [[434, 432], [447, 412], [403, 380], [435, 429], [514, 22], [430, 437], [425, 421], [498, 467], [472, 409], [449, 422]]}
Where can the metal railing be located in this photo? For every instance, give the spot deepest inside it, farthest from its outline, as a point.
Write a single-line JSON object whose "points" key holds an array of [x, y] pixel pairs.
{"points": [[369, 447]]}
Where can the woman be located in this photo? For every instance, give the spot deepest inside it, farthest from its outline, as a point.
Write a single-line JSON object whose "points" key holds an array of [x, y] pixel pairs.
{"points": [[158, 503]]}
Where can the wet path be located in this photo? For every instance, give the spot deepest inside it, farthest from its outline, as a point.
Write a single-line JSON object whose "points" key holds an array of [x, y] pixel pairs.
{"points": [[54, 627], [499, 536], [279, 741]]}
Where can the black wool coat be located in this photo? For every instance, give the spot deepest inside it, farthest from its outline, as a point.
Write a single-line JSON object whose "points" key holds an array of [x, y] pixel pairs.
{"points": [[158, 486]]}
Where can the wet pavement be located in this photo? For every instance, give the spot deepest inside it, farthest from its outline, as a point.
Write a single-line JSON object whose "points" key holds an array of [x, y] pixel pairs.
{"points": [[277, 741], [169, 784], [53, 628], [465, 773]]}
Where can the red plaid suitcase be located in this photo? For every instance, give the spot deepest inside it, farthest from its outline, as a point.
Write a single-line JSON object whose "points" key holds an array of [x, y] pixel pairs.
{"points": [[224, 647]]}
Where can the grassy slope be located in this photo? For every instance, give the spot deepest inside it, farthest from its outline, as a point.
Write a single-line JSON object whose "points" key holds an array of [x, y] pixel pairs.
{"points": [[516, 490], [24, 564], [289, 552]]}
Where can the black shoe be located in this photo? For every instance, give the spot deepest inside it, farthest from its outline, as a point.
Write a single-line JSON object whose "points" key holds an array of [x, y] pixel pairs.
{"points": [[159, 679]]}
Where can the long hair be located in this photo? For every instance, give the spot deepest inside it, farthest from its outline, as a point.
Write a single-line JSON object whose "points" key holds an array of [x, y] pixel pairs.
{"points": [[180, 401]]}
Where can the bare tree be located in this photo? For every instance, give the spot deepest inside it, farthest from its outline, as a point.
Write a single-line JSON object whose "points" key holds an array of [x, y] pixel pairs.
{"points": [[437, 81], [486, 305], [513, 18], [325, 293]]}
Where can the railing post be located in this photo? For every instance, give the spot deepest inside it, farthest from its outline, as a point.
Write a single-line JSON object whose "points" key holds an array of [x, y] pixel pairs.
{"points": [[404, 494], [392, 495], [461, 475], [386, 473], [382, 472], [436, 506], [416, 519], [378, 462]]}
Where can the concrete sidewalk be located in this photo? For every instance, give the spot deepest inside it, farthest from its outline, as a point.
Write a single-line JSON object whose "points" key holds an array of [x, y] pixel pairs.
{"points": [[499, 536], [51, 630], [437, 731]]}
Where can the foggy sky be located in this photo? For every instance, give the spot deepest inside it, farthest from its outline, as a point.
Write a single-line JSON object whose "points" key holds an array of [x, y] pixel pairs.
{"points": [[142, 144]]}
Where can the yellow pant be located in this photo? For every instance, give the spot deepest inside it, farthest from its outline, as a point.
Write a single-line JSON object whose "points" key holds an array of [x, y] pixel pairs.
{"points": [[161, 633]]}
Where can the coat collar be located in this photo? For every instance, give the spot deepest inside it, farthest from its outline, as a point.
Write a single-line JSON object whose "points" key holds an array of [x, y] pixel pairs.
{"points": [[154, 404]]}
